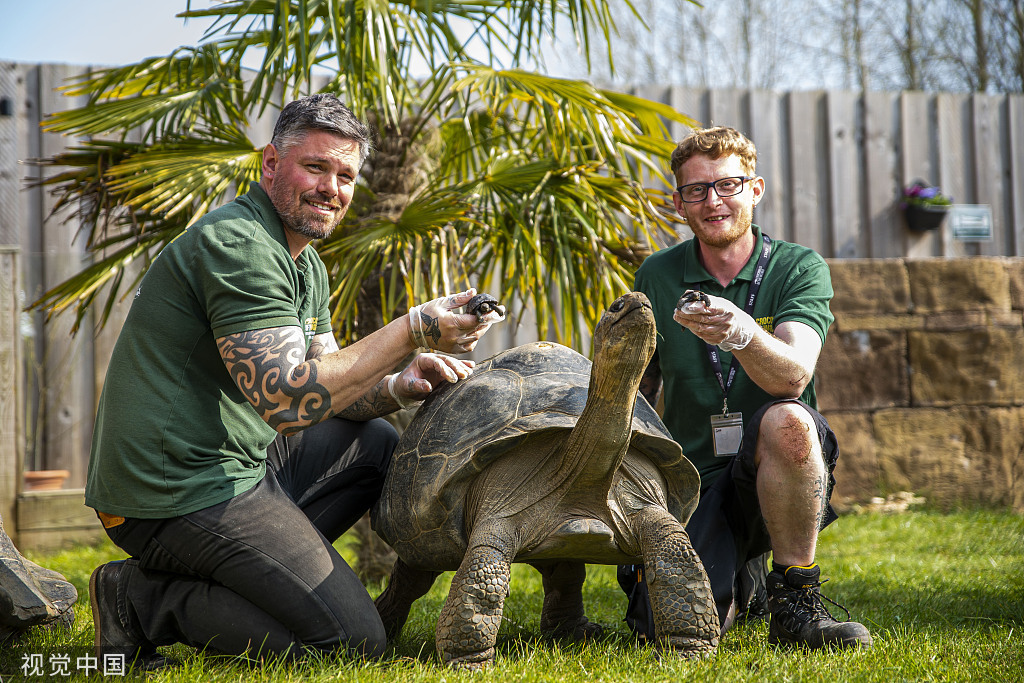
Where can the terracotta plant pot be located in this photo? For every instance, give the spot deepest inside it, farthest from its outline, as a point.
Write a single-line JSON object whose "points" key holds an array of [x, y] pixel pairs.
{"points": [[45, 480], [924, 218]]}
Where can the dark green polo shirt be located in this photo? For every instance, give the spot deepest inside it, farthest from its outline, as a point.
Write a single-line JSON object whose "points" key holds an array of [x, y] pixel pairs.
{"points": [[797, 287], [173, 432]]}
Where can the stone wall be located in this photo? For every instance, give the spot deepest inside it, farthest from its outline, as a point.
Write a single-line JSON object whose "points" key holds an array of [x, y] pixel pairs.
{"points": [[922, 379]]}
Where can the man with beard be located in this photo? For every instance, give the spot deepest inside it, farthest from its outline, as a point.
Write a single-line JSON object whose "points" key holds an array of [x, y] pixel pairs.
{"points": [[234, 441], [741, 321]]}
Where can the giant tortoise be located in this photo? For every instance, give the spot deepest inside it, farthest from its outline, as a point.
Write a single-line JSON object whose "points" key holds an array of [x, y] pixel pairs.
{"points": [[541, 456]]}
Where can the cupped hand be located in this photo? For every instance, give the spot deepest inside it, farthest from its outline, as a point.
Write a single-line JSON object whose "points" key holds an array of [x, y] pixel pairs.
{"points": [[435, 325], [720, 323]]}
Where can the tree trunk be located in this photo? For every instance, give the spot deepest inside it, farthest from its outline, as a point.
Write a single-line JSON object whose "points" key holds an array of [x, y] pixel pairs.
{"points": [[391, 176]]}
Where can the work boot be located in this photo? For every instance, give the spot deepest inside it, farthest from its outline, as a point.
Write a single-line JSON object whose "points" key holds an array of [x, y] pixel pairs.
{"points": [[110, 619], [798, 616]]}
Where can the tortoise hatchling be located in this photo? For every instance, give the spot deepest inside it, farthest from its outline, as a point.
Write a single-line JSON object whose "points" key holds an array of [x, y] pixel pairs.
{"points": [[541, 456], [486, 308], [691, 295]]}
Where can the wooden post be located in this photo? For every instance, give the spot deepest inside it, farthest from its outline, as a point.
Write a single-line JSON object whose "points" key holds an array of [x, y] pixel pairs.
{"points": [[12, 439], [68, 359], [11, 434]]}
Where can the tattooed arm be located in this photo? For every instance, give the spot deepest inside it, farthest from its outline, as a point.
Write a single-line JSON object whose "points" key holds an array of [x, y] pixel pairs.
{"points": [[321, 344], [292, 389], [375, 403]]}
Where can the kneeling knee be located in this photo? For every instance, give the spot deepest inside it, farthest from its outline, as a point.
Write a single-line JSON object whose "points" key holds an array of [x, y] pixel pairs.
{"points": [[788, 432]]}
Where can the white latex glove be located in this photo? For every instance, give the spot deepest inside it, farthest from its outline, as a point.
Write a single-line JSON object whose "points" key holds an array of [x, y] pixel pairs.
{"points": [[433, 326], [720, 322], [426, 372]]}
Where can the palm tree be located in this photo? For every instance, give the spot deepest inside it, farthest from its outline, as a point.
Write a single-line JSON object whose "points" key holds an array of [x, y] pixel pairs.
{"points": [[538, 189]]}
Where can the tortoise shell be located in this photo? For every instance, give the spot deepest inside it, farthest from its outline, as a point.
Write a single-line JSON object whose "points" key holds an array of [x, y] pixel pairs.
{"points": [[537, 389]]}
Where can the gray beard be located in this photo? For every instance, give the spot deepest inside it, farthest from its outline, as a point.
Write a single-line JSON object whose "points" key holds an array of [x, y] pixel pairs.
{"points": [[301, 223]]}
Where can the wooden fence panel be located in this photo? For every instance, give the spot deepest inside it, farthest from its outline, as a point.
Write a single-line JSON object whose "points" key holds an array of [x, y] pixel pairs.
{"points": [[988, 168], [12, 438], [917, 161], [834, 164], [12, 424], [765, 111], [807, 170], [880, 135], [955, 177], [844, 175], [67, 376], [1015, 169], [727, 109]]}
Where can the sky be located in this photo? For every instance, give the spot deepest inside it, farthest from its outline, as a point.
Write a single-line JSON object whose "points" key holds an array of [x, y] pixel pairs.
{"points": [[94, 32]]}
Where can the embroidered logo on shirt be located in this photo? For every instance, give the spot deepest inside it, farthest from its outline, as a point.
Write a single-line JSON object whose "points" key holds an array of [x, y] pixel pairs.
{"points": [[309, 327], [767, 323]]}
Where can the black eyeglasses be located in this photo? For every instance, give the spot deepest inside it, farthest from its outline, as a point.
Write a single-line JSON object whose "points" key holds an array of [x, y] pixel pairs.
{"points": [[724, 187]]}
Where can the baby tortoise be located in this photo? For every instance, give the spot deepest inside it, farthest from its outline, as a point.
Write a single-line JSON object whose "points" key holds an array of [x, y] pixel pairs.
{"points": [[692, 295], [483, 305]]}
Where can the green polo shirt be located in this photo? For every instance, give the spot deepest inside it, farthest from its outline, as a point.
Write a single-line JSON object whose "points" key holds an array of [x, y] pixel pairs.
{"points": [[173, 432], [797, 287]]}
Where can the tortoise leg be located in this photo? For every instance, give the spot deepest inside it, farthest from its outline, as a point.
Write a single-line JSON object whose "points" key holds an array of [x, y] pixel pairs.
{"points": [[468, 627], [685, 617], [406, 586], [563, 615]]}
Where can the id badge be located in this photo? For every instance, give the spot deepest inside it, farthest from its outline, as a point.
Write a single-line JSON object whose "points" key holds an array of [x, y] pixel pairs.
{"points": [[727, 431]]}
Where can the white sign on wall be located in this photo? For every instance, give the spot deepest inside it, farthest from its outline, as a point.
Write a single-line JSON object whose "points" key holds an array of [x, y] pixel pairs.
{"points": [[971, 222]]}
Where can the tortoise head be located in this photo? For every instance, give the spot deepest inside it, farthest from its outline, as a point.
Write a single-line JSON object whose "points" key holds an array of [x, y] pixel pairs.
{"points": [[625, 337]]}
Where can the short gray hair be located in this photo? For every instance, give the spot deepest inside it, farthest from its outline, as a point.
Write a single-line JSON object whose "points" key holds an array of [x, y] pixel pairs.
{"points": [[322, 111]]}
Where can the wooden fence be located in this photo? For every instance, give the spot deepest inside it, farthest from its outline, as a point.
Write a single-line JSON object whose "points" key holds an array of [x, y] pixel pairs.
{"points": [[834, 163]]}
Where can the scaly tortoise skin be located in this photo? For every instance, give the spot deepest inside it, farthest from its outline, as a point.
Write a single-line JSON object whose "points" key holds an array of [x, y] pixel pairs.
{"points": [[539, 457]]}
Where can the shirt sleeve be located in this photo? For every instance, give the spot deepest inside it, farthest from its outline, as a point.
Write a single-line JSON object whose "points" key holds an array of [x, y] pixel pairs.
{"points": [[243, 286], [806, 296]]}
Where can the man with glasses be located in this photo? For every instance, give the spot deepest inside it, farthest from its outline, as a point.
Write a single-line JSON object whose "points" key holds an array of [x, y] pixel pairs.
{"points": [[741, 320]]}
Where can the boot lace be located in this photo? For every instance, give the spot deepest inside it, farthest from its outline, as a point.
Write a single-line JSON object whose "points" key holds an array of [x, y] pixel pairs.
{"points": [[809, 599]]}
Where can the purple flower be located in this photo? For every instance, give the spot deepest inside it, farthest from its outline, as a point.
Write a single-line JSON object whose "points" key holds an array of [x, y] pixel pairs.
{"points": [[924, 195]]}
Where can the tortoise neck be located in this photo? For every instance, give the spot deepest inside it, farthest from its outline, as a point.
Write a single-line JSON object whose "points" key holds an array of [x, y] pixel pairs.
{"points": [[596, 446]]}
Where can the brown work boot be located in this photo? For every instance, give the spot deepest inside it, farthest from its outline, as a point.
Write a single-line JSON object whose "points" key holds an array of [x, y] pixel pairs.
{"points": [[110, 618], [798, 616]]}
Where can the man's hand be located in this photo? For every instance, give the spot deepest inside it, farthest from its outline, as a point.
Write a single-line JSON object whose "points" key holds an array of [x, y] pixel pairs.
{"points": [[719, 322], [425, 373], [435, 326]]}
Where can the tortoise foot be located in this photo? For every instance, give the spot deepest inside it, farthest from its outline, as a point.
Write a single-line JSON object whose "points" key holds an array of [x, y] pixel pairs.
{"points": [[687, 647], [477, 661]]}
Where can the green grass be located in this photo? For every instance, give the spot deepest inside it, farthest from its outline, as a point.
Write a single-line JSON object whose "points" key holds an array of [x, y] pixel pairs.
{"points": [[943, 595]]}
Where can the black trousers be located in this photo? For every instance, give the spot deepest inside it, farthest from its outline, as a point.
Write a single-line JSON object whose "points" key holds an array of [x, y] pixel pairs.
{"points": [[257, 574], [728, 532]]}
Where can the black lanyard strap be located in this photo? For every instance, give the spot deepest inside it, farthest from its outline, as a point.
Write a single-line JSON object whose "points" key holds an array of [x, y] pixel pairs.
{"points": [[748, 308]]}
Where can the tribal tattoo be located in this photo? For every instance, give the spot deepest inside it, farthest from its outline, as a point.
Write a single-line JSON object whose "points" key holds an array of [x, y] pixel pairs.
{"points": [[267, 366], [375, 403]]}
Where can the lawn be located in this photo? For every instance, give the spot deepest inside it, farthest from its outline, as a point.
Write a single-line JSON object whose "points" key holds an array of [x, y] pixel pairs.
{"points": [[943, 595]]}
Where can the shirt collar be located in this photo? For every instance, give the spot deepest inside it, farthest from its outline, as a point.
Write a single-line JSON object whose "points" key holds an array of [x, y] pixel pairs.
{"points": [[693, 271], [271, 222]]}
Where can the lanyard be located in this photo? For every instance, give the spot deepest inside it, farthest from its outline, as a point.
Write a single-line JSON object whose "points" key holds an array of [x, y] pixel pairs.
{"points": [[748, 308]]}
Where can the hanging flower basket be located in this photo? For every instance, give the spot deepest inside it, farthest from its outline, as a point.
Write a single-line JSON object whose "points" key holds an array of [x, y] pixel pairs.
{"points": [[924, 218], [924, 206]]}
